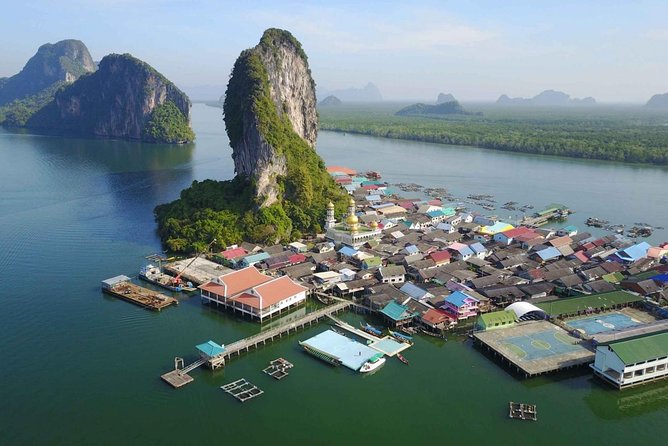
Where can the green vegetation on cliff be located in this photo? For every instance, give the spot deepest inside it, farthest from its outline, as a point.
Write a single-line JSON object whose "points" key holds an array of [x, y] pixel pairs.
{"points": [[231, 211], [124, 98], [627, 134], [167, 124]]}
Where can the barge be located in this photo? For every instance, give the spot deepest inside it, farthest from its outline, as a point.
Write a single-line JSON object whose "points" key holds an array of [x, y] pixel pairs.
{"points": [[121, 287]]}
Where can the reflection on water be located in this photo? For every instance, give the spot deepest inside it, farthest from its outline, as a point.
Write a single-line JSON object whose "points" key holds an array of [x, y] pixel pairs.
{"points": [[611, 404]]}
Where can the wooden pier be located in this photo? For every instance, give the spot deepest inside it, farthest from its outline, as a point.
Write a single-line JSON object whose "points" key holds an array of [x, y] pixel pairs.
{"points": [[177, 376], [140, 296]]}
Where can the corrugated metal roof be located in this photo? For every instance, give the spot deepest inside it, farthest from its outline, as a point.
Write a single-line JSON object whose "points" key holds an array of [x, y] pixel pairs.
{"points": [[640, 349], [498, 317], [396, 311]]}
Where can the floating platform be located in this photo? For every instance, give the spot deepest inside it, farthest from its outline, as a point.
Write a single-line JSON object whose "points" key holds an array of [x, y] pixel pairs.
{"points": [[177, 379], [199, 272], [535, 347], [386, 345], [278, 368], [348, 352], [121, 287], [523, 411], [242, 390]]}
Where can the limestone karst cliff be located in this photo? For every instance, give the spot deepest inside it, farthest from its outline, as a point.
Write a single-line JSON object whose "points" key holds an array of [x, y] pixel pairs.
{"points": [[282, 186], [124, 98], [269, 96], [53, 64]]}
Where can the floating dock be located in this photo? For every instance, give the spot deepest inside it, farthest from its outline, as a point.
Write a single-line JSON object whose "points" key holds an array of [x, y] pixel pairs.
{"points": [[523, 411], [242, 390], [386, 345], [535, 347], [339, 348], [121, 287]]}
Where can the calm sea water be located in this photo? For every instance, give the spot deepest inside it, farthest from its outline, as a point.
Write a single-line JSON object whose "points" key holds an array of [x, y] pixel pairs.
{"points": [[79, 367]]}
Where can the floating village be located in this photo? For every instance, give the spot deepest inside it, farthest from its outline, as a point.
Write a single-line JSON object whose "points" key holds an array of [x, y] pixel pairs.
{"points": [[532, 298]]}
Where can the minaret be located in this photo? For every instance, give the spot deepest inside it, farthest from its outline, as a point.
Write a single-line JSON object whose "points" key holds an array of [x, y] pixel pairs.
{"points": [[352, 221], [330, 222]]}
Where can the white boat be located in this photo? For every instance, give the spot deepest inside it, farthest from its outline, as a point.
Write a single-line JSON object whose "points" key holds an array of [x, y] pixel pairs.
{"points": [[373, 363]]}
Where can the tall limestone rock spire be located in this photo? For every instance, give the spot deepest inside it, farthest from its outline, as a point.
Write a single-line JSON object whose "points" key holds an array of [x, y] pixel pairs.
{"points": [[270, 112]]}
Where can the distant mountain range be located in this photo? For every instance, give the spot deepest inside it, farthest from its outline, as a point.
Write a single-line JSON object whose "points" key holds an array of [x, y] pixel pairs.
{"points": [[658, 101], [546, 98], [369, 93]]}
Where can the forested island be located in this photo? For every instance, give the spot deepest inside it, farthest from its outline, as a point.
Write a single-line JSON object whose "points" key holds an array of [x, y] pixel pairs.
{"points": [[282, 188], [61, 91], [629, 134]]}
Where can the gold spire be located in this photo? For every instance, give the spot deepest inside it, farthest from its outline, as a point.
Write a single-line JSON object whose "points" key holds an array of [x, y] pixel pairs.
{"points": [[330, 205]]}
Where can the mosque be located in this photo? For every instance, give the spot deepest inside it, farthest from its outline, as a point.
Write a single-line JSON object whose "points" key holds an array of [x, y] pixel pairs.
{"points": [[349, 232]]}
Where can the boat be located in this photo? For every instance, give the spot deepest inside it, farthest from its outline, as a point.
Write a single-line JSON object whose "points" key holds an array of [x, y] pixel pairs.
{"points": [[372, 175], [401, 358], [152, 274], [329, 359], [401, 337], [370, 329], [373, 363]]}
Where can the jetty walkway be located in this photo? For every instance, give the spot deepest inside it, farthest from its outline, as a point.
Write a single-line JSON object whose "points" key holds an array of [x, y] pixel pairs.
{"points": [[179, 377]]}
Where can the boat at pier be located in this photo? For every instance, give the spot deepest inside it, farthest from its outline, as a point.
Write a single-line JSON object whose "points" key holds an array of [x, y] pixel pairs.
{"points": [[370, 329], [373, 363], [401, 337], [154, 275]]}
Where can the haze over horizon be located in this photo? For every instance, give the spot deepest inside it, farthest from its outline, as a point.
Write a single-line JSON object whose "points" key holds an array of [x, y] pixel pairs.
{"points": [[611, 51]]}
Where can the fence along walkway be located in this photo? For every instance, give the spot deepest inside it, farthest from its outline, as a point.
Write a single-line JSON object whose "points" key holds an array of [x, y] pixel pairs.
{"points": [[179, 377]]}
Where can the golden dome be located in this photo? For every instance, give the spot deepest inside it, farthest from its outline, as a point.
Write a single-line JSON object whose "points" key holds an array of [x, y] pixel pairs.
{"points": [[352, 220], [351, 202], [374, 225], [330, 205]]}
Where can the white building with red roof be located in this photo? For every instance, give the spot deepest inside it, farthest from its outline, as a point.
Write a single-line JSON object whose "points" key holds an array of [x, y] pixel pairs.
{"points": [[252, 293]]}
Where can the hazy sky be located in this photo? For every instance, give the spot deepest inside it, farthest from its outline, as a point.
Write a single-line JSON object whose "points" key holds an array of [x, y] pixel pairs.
{"points": [[613, 50]]}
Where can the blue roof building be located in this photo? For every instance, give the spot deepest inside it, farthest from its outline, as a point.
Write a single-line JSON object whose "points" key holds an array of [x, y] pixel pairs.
{"points": [[209, 349], [478, 248], [253, 259], [549, 253], [397, 314], [347, 251], [633, 253], [415, 291]]}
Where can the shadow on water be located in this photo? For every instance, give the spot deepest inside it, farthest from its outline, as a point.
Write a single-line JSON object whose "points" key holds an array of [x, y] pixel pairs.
{"points": [[611, 404], [116, 177]]}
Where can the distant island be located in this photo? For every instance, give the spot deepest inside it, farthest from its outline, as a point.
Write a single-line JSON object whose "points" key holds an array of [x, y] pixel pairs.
{"points": [[547, 98], [442, 109], [658, 101], [443, 98], [330, 101], [52, 67], [62, 91], [369, 93]]}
